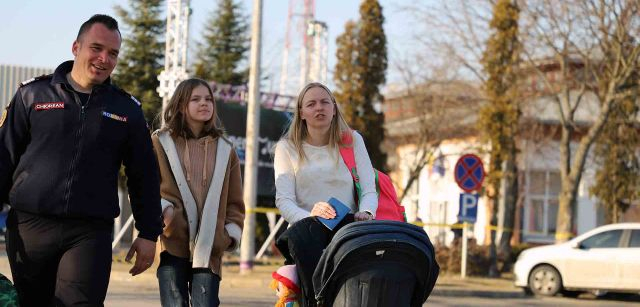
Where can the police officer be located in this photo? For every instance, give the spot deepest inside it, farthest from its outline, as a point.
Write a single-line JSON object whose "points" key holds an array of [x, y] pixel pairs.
{"points": [[63, 138]]}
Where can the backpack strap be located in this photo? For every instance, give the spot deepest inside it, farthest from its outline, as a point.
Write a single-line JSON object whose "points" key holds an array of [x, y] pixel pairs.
{"points": [[349, 158]]}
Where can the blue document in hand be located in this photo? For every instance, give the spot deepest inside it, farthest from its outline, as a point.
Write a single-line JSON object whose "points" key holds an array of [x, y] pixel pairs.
{"points": [[341, 212]]}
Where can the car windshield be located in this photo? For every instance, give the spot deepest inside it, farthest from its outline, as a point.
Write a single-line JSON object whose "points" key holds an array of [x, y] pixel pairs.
{"points": [[607, 239], [635, 238]]}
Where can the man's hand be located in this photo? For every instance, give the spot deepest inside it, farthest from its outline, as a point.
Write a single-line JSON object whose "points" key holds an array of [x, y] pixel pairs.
{"points": [[144, 251]]}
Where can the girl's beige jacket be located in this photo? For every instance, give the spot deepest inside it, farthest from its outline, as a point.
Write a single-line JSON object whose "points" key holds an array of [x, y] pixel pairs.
{"points": [[183, 238]]}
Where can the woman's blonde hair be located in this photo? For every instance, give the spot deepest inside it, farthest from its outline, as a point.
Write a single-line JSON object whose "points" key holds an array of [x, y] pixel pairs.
{"points": [[174, 114], [297, 132]]}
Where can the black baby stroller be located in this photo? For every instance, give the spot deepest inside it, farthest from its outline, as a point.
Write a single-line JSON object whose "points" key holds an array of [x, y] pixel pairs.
{"points": [[372, 263], [377, 263]]}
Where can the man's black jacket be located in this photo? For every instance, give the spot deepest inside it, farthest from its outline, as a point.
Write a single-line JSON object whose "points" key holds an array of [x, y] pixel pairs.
{"points": [[60, 158]]}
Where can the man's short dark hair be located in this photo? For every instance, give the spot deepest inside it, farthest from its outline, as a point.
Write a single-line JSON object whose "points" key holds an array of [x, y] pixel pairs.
{"points": [[105, 20]]}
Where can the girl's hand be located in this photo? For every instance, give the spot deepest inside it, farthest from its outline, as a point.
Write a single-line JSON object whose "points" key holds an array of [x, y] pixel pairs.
{"points": [[324, 210], [167, 215], [363, 216]]}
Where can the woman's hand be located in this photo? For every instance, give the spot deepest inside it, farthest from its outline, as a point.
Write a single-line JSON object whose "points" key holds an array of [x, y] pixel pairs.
{"points": [[363, 216], [324, 210], [167, 215]]}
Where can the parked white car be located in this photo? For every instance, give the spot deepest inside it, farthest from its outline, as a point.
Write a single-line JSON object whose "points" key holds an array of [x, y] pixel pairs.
{"points": [[606, 258]]}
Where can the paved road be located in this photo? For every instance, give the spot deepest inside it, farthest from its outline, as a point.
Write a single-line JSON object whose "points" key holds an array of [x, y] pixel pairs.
{"points": [[122, 293], [440, 301], [143, 292]]}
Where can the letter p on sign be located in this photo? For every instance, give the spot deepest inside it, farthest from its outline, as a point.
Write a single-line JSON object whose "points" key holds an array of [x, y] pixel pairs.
{"points": [[468, 207]]}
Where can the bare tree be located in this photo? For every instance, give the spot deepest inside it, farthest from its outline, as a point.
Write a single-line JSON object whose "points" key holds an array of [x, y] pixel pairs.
{"points": [[579, 52], [435, 107], [459, 32], [577, 49], [440, 78], [454, 31]]}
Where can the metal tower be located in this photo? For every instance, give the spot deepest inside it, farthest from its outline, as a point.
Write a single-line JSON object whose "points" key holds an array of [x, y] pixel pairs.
{"points": [[304, 58], [175, 54], [318, 33]]}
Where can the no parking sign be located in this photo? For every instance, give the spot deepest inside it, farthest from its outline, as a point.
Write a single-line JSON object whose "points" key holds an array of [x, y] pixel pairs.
{"points": [[469, 173]]}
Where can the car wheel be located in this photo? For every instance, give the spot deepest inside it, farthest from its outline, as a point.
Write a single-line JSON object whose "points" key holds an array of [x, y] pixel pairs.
{"points": [[545, 280]]}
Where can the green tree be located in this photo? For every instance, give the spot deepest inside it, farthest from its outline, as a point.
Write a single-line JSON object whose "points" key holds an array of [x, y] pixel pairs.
{"points": [[226, 42], [362, 58], [499, 117], [345, 75], [618, 177], [142, 53]]}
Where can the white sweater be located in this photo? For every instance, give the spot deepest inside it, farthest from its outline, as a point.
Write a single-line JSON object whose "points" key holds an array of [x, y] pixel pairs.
{"points": [[321, 176]]}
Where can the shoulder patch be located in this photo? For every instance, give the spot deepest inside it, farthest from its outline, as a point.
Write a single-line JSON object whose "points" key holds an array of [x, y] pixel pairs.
{"points": [[23, 83], [127, 95], [135, 100]]}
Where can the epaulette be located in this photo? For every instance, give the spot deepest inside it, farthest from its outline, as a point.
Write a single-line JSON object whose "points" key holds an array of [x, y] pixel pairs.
{"points": [[135, 100], [128, 95], [23, 83]]}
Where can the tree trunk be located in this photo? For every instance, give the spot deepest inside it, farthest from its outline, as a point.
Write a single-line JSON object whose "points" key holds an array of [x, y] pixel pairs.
{"points": [[493, 255], [510, 198], [564, 224], [571, 170], [495, 165]]}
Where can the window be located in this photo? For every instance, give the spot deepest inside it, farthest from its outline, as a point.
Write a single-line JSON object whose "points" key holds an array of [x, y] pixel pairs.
{"points": [[607, 239], [635, 238], [541, 207]]}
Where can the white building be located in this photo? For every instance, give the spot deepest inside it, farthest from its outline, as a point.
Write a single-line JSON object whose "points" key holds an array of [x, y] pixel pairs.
{"points": [[434, 200]]}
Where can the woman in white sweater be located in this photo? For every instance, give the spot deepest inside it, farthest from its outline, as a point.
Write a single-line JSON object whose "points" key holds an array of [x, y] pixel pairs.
{"points": [[308, 167]]}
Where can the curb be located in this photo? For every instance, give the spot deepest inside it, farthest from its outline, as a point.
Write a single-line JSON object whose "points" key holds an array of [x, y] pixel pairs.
{"points": [[477, 293]]}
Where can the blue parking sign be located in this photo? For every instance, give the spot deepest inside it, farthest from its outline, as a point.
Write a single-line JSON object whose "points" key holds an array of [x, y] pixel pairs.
{"points": [[468, 210]]}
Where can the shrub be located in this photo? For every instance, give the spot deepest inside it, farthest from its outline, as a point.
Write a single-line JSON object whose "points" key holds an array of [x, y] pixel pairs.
{"points": [[449, 258]]}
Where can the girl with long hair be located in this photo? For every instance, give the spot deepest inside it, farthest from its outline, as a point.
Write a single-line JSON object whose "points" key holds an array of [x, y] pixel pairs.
{"points": [[201, 189]]}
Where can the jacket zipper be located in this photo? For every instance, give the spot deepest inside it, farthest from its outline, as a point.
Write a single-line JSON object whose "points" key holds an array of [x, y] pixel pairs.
{"points": [[78, 148]]}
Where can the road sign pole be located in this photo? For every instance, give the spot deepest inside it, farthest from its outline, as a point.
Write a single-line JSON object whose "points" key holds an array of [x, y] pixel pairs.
{"points": [[463, 265], [469, 175]]}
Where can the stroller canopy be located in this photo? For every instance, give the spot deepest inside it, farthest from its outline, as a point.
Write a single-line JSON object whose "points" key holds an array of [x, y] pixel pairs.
{"points": [[376, 263]]}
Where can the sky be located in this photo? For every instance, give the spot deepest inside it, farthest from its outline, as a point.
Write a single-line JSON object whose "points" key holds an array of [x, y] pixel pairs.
{"points": [[40, 33]]}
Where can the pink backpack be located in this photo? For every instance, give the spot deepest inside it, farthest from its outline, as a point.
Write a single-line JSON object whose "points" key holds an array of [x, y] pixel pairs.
{"points": [[388, 206]]}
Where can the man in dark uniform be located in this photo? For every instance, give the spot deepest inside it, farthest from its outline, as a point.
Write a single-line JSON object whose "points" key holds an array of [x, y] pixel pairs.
{"points": [[63, 138]]}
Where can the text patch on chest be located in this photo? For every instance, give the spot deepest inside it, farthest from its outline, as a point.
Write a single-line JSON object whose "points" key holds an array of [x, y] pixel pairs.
{"points": [[115, 117], [48, 106]]}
